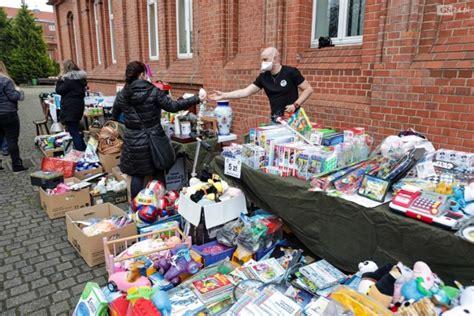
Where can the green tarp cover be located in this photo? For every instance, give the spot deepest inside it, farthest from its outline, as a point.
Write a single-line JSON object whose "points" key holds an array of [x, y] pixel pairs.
{"points": [[345, 233]]}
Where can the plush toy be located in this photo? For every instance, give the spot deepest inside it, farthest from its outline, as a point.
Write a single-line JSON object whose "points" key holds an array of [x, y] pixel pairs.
{"points": [[210, 190], [365, 283], [383, 290], [421, 284], [369, 278], [466, 304], [406, 275]]}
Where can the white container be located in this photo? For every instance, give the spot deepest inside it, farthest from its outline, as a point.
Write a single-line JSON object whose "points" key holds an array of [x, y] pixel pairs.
{"points": [[223, 114], [185, 128]]}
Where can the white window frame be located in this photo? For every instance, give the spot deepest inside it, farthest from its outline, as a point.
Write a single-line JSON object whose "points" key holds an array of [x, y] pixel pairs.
{"points": [[341, 39], [188, 27], [52, 27], [112, 32], [97, 32], [155, 2]]}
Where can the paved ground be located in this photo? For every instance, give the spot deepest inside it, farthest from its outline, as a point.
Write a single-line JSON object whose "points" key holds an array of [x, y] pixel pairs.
{"points": [[40, 273]]}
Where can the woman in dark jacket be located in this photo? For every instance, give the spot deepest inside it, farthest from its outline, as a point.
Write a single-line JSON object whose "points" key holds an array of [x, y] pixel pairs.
{"points": [[72, 88], [142, 102], [9, 121]]}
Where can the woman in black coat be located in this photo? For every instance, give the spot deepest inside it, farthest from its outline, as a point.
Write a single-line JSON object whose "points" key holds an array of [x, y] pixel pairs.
{"points": [[142, 102], [72, 88]]}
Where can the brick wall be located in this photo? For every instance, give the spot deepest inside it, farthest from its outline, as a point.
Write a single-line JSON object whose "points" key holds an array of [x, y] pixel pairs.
{"points": [[414, 68]]}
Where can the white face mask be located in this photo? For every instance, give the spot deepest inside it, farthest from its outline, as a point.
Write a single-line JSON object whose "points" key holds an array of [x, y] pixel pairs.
{"points": [[266, 65]]}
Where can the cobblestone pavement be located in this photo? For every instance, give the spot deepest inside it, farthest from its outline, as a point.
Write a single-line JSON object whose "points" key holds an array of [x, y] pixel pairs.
{"points": [[40, 272]]}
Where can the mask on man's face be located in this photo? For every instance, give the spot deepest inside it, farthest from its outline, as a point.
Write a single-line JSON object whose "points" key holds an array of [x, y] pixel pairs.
{"points": [[266, 65]]}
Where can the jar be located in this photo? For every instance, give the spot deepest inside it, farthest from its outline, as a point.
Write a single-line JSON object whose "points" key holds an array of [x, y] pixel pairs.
{"points": [[223, 113]]}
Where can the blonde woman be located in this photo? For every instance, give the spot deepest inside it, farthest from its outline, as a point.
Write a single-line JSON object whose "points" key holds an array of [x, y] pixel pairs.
{"points": [[10, 94]]}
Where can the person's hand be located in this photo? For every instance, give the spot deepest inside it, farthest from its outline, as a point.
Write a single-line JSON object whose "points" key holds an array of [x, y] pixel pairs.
{"points": [[217, 95], [202, 95], [290, 108]]}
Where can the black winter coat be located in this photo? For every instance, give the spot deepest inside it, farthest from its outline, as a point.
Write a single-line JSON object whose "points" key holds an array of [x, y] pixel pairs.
{"points": [[142, 109], [9, 96], [72, 88]]}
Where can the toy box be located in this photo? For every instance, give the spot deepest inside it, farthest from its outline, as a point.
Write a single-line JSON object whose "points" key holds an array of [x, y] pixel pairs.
{"points": [[91, 247], [92, 302], [321, 162], [333, 139], [213, 252], [111, 197], [81, 175], [109, 161], [169, 223], [46, 179], [67, 168], [253, 156], [271, 159], [58, 204]]}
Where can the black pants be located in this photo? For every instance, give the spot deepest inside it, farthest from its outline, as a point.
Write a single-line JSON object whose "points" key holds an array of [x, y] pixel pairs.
{"points": [[138, 183], [10, 129], [77, 140]]}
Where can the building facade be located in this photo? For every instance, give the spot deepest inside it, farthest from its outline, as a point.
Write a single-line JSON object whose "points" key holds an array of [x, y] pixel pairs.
{"points": [[47, 22], [396, 64]]}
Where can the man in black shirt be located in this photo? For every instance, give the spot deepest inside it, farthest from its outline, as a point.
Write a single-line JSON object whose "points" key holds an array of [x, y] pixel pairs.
{"points": [[281, 84]]}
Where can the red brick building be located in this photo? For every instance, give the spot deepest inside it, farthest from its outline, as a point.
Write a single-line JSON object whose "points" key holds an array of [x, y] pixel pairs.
{"points": [[396, 64], [48, 24]]}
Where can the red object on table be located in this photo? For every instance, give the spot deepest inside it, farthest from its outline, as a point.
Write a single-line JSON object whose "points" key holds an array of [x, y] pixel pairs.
{"points": [[144, 307], [65, 167]]}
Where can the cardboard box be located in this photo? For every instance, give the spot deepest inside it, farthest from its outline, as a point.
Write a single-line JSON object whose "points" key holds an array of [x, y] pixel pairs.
{"points": [[214, 214], [57, 205], [109, 161], [91, 247], [118, 174], [88, 173]]}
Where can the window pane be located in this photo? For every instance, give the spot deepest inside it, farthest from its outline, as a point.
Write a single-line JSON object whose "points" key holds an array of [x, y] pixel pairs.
{"points": [[355, 17], [152, 29], [327, 18], [181, 27], [190, 26]]}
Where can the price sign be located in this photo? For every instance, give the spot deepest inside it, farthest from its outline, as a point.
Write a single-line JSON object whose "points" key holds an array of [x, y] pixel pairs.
{"points": [[233, 167]]}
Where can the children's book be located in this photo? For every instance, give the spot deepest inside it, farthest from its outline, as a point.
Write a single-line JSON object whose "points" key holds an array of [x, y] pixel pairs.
{"points": [[323, 274]]}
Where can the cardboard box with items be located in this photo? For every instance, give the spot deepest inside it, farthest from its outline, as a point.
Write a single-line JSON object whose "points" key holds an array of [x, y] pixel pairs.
{"points": [[64, 198], [87, 227]]}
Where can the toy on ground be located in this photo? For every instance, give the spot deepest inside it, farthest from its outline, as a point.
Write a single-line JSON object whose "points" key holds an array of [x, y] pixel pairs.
{"points": [[181, 262], [124, 280], [91, 302]]}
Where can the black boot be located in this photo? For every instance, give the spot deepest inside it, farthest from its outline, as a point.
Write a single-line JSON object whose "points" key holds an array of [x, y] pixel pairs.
{"points": [[19, 168]]}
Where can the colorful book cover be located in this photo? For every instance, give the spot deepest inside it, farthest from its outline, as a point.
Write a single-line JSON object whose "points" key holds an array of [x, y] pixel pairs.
{"points": [[300, 122], [211, 283], [267, 270], [184, 302], [323, 274]]}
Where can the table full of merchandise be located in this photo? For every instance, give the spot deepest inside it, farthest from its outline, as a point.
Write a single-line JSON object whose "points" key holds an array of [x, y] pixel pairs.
{"points": [[345, 233]]}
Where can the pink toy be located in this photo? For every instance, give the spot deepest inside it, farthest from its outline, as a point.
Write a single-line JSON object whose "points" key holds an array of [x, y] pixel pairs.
{"points": [[59, 189], [123, 280], [421, 269]]}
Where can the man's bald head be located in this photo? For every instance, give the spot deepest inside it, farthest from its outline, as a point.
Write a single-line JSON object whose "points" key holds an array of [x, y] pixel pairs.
{"points": [[270, 54]]}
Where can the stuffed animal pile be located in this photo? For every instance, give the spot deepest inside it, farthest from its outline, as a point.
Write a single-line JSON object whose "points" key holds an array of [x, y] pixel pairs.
{"points": [[416, 291]]}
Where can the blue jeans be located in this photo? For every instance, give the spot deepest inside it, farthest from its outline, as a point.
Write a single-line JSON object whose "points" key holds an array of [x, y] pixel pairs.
{"points": [[77, 140]]}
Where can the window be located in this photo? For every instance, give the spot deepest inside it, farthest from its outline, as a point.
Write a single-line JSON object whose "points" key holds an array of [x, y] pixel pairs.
{"points": [[72, 37], [97, 31], [112, 33], [342, 20], [152, 16], [184, 28], [52, 27]]}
